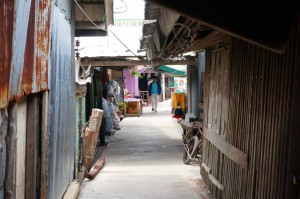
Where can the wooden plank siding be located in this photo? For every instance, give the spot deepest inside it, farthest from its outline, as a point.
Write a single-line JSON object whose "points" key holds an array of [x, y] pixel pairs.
{"points": [[248, 98], [21, 147], [32, 137]]}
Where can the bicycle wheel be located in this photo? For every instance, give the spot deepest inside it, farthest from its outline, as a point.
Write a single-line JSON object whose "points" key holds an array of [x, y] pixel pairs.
{"points": [[192, 145]]}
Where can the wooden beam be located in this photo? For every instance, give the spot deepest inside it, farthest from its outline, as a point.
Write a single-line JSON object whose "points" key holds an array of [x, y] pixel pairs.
{"points": [[206, 168], [96, 168], [44, 146], [90, 146], [21, 148], [11, 140], [32, 140], [3, 131], [229, 150], [214, 38], [109, 12], [136, 63], [95, 119], [72, 190], [216, 182]]}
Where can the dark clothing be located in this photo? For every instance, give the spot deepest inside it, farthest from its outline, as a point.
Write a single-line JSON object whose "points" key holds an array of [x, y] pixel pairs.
{"points": [[150, 88]]}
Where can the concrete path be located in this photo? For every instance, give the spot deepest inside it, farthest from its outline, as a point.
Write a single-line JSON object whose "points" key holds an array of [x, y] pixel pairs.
{"points": [[143, 160]]}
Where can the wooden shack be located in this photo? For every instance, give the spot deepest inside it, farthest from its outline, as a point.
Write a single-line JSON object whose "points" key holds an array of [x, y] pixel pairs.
{"points": [[250, 98]]}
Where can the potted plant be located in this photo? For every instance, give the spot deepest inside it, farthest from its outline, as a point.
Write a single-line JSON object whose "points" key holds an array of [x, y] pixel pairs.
{"points": [[121, 107]]}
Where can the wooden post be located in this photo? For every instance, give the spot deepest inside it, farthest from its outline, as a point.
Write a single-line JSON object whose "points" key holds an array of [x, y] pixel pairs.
{"points": [[44, 146], [90, 145], [10, 178], [3, 131], [95, 120], [32, 137], [21, 148], [91, 135], [98, 166]]}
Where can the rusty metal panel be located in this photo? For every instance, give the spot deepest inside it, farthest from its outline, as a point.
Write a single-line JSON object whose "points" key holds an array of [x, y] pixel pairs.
{"points": [[29, 60], [43, 45], [6, 31], [36, 64], [62, 105], [21, 21], [25, 27]]}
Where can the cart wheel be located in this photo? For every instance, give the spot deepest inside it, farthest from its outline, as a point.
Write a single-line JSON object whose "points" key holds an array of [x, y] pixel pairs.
{"points": [[192, 145]]}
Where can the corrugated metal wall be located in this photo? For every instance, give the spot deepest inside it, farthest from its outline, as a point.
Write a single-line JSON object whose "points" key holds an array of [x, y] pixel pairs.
{"points": [[62, 102], [25, 48], [28, 65], [248, 95]]}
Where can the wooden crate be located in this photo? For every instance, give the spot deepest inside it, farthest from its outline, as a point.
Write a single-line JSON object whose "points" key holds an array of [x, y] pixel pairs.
{"points": [[134, 107]]}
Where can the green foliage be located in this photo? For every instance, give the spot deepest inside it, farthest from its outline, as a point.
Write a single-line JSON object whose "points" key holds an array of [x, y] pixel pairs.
{"points": [[121, 106], [136, 74]]}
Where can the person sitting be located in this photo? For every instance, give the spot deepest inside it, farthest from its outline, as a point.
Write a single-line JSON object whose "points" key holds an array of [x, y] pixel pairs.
{"points": [[113, 112], [109, 125]]}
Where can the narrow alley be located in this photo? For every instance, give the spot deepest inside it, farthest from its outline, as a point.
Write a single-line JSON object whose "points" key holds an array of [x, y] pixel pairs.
{"points": [[144, 160]]}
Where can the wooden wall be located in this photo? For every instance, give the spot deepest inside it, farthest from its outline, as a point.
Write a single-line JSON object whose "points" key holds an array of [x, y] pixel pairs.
{"points": [[248, 97]]}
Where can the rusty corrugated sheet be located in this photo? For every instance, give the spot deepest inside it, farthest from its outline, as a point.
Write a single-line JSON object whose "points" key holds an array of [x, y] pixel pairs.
{"points": [[43, 45], [29, 61], [35, 74], [20, 23], [25, 64], [6, 30]]}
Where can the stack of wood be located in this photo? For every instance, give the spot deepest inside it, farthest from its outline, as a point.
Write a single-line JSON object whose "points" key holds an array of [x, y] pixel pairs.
{"points": [[91, 135]]}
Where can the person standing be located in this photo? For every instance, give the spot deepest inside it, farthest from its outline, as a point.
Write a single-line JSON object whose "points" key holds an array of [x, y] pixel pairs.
{"points": [[154, 91]]}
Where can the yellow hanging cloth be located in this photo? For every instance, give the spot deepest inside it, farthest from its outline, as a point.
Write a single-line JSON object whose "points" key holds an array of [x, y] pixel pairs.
{"points": [[178, 99]]}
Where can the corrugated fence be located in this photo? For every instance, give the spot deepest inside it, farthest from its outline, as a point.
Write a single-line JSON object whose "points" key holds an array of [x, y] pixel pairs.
{"points": [[248, 98]]}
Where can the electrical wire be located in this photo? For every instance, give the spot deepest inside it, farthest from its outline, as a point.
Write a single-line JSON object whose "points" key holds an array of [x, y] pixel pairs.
{"points": [[102, 28], [189, 34], [183, 45]]}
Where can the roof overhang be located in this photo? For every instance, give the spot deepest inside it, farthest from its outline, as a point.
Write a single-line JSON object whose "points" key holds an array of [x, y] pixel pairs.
{"points": [[171, 71], [99, 11], [265, 25]]}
